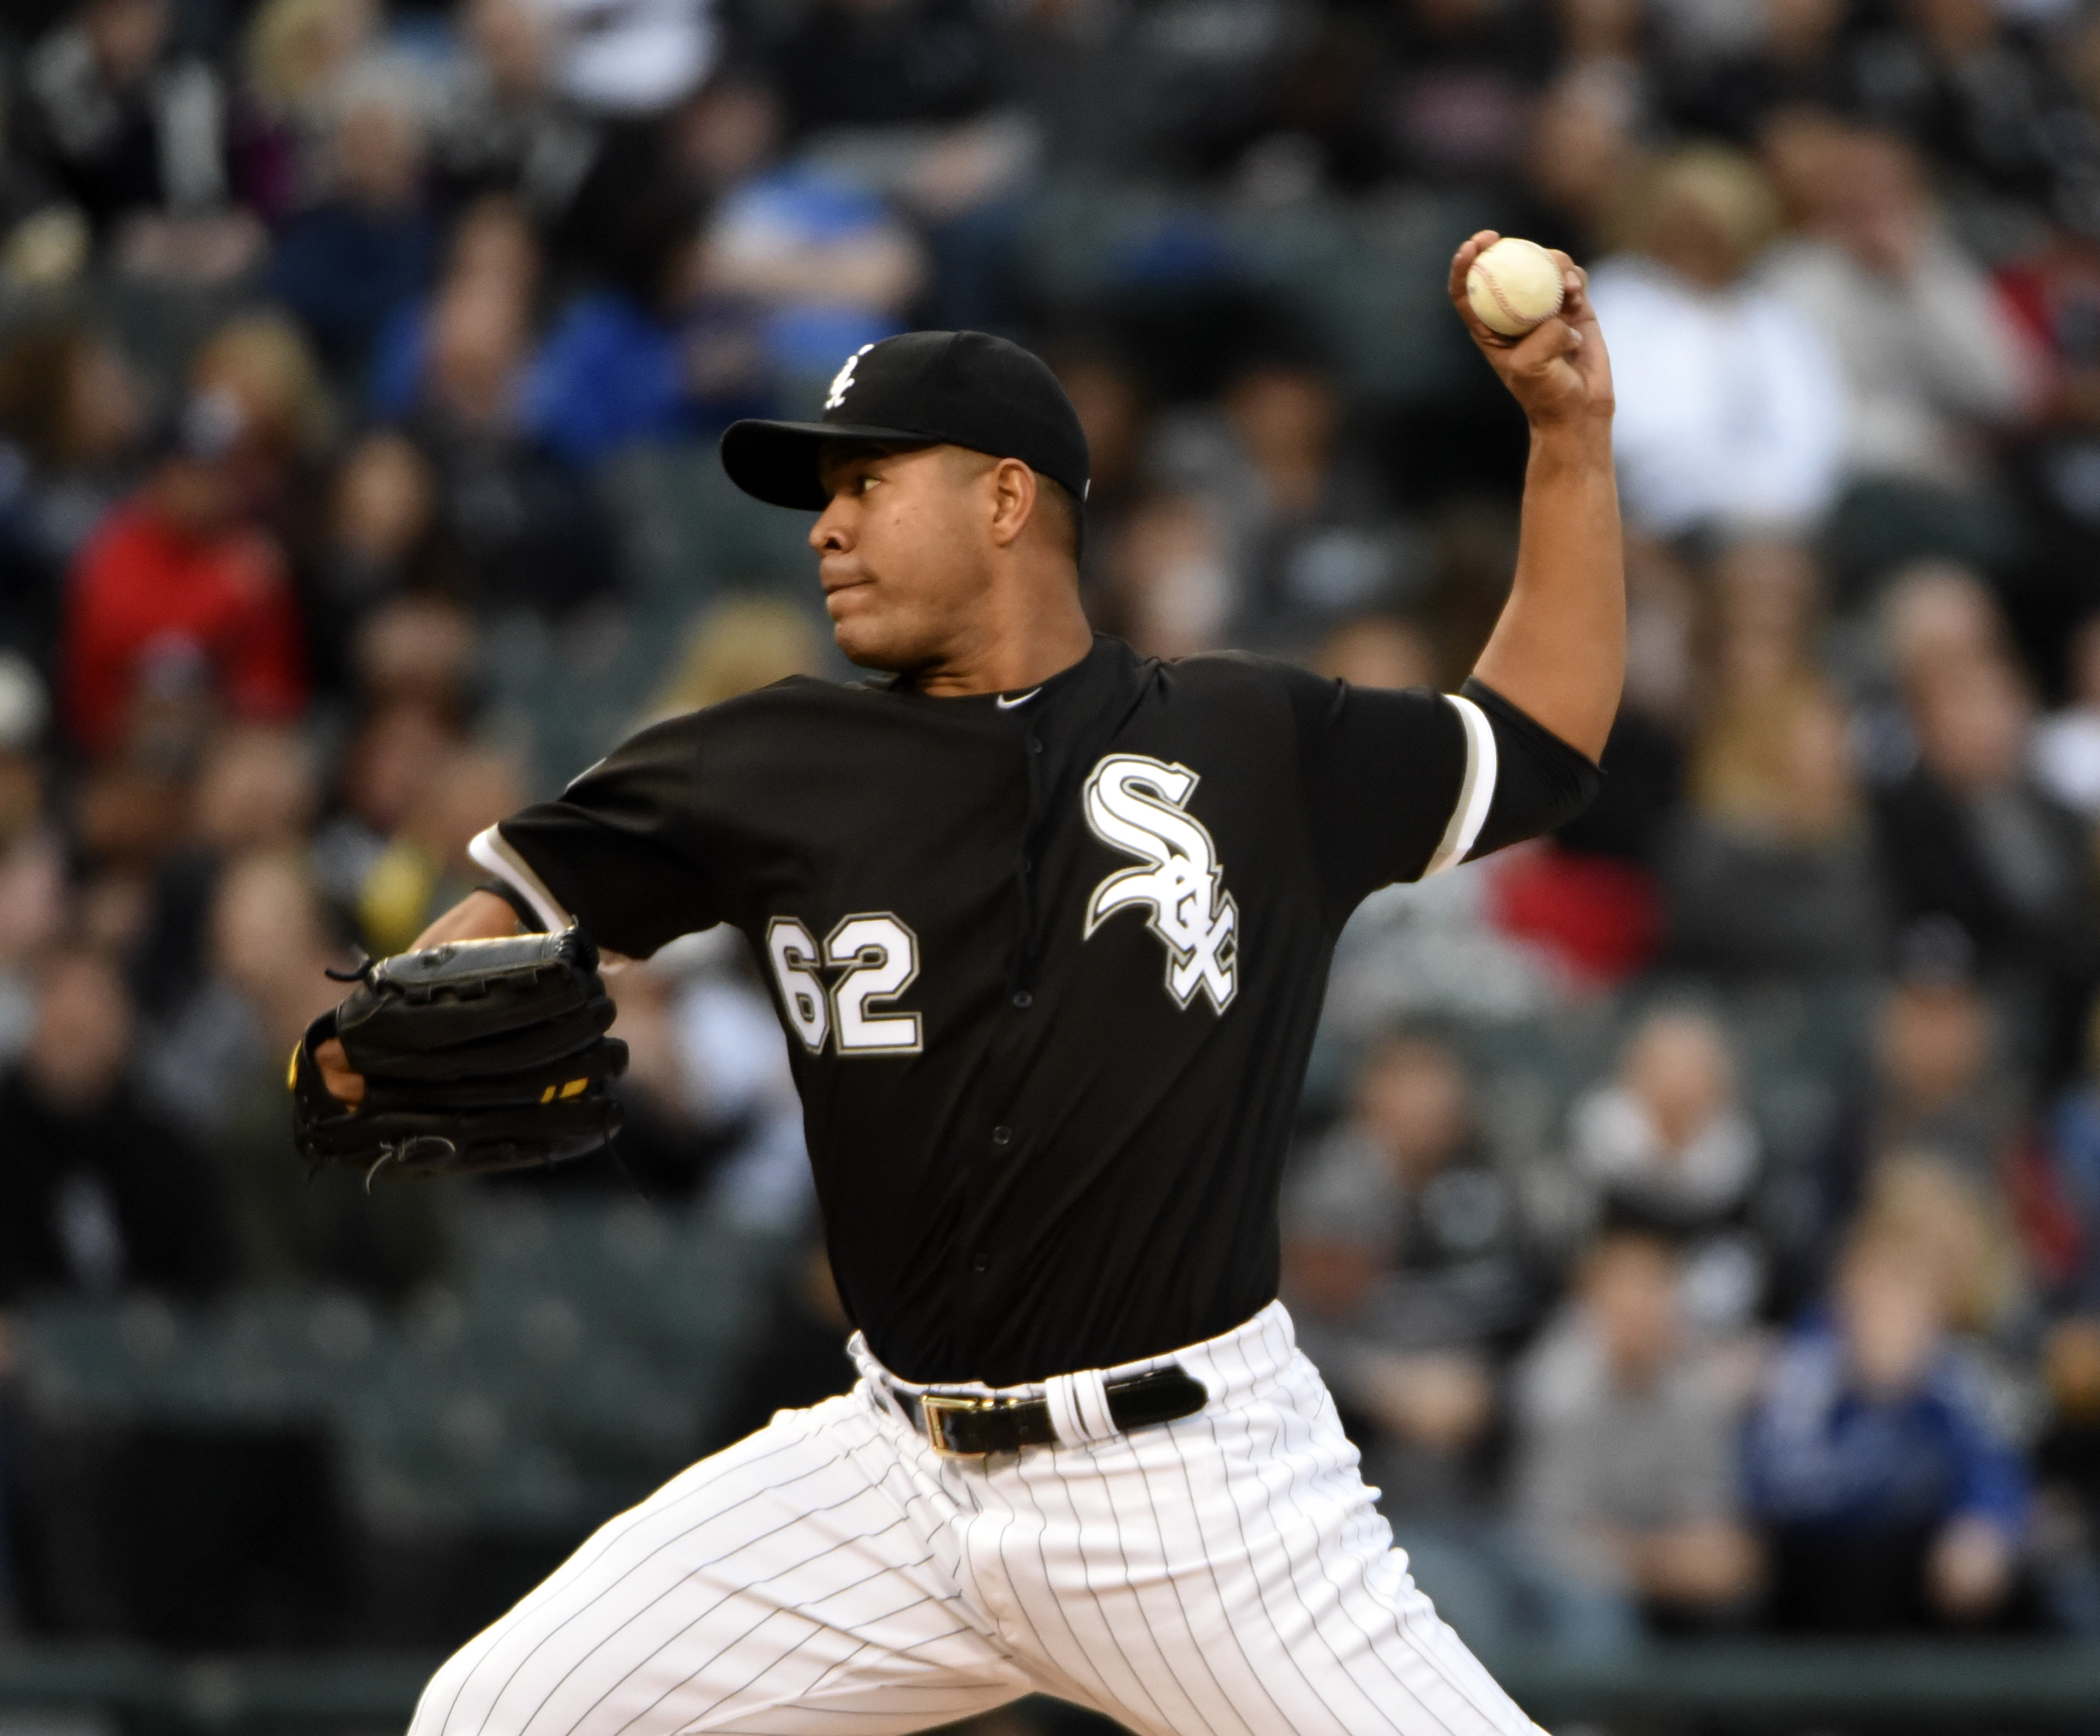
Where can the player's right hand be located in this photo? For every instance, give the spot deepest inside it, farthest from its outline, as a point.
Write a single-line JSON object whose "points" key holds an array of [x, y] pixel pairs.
{"points": [[479, 915], [1558, 370], [474, 1055]]}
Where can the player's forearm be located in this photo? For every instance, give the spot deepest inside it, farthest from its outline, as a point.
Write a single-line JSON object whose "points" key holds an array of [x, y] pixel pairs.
{"points": [[479, 915], [1558, 653]]}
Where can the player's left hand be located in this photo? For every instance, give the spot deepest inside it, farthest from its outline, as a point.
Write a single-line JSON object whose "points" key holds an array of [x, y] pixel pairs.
{"points": [[1558, 370]]}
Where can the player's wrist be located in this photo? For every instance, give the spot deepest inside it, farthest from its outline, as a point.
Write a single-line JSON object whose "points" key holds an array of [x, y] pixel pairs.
{"points": [[1581, 442]]}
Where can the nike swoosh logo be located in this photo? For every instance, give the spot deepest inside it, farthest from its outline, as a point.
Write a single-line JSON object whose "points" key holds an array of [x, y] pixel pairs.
{"points": [[1006, 705]]}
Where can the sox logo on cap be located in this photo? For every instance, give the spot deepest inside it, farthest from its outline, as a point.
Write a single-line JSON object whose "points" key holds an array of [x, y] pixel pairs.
{"points": [[842, 381]]}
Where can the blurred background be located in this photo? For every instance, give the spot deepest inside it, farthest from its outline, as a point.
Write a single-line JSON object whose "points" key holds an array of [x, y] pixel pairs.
{"points": [[1697, 1214]]}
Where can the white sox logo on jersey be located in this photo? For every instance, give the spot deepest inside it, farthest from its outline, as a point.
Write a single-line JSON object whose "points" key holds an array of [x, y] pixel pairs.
{"points": [[1139, 804]]}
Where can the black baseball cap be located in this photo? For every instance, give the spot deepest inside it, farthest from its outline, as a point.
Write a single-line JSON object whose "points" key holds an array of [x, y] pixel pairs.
{"points": [[929, 388]]}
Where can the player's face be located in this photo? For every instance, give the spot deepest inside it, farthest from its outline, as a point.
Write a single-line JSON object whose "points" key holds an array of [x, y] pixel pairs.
{"points": [[904, 551]]}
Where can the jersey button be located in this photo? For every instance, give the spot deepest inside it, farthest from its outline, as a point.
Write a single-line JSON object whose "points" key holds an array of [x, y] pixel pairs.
{"points": [[1023, 999], [981, 1263], [1001, 1136]]}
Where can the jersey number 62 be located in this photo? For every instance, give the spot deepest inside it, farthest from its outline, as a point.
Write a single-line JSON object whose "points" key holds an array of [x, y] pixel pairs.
{"points": [[880, 959]]}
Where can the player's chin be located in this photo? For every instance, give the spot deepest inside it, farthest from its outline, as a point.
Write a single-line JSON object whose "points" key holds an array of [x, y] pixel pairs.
{"points": [[866, 639]]}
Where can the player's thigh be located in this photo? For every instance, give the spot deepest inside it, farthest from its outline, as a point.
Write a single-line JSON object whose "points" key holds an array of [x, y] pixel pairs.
{"points": [[794, 1583], [1230, 1574]]}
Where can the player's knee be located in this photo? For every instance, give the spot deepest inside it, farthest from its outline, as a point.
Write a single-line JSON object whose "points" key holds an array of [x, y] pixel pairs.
{"points": [[447, 1707]]}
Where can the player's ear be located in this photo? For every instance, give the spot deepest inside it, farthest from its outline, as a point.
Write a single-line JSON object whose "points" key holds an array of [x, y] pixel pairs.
{"points": [[1013, 499]]}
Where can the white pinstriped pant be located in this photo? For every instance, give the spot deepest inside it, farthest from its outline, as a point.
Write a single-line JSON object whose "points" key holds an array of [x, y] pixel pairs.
{"points": [[831, 1575]]}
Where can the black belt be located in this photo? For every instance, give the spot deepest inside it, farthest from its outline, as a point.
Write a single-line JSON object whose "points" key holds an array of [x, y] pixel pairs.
{"points": [[962, 1425]]}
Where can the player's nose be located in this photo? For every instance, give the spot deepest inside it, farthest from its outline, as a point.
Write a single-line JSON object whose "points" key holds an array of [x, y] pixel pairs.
{"points": [[831, 533]]}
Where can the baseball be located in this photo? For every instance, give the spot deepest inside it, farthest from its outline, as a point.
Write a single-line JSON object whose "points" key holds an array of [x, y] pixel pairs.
{"points": [[1513, 285]]}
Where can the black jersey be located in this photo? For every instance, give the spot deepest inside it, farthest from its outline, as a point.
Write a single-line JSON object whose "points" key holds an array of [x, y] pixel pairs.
{"points": [[1049, 965]]}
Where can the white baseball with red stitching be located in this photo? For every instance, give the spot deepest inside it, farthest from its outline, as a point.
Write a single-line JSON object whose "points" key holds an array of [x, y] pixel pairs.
{"points": [[1513, 285]]}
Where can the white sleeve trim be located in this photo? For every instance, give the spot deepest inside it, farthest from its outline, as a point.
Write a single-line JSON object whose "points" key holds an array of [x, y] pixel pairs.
{"points": [[491, 851], [1477, 793]]}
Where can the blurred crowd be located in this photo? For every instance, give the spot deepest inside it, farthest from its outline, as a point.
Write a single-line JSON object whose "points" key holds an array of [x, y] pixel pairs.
{"points": [[1697, 1214]]}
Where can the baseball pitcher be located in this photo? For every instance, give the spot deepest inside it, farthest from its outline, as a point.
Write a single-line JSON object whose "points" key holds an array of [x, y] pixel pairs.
{"points": [[1047, 924]]}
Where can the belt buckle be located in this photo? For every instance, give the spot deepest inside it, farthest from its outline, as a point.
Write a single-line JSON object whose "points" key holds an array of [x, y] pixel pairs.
{"points": [[936, 1406]]}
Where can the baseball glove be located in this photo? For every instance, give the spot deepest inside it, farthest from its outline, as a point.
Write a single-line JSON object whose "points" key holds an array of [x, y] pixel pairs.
{"points": [[478, 1055]]}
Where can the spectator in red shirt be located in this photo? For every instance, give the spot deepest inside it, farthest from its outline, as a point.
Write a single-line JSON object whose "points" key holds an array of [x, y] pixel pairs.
{"points": [[175, 580]]}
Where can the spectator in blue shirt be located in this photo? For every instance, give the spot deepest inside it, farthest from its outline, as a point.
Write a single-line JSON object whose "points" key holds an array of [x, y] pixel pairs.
{"points": [[735, 279], [350, 263], [613, 371], [1892, 1497]]}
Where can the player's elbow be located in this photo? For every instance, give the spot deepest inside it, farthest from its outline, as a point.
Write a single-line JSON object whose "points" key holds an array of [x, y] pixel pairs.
{"points": [[1542, 783]]}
